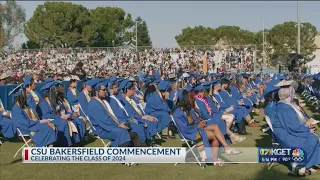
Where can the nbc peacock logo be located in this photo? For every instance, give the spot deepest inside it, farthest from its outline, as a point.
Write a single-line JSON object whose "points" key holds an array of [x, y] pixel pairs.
{"points": [[297, 155]]}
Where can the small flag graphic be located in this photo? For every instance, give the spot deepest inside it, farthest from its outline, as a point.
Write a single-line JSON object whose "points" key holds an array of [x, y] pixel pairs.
{"points": [[26, 154]]}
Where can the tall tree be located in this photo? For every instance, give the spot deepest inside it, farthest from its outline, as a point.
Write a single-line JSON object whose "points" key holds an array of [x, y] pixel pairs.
{"points": [[143, 33], [30, 45], [283, 38], [12, 18], [109, 27], [198, 35], [57, 23]]}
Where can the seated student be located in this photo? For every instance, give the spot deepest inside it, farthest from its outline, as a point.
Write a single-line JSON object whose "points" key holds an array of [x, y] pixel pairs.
{"points": [[157, 105], [134, 111], [64, 108], [32, 96], [42, 132], [219, 114], [72, 93], [46, 109], [7, 127], [106, 125], [238, 104], [291, 128], [121, 114], [190, 124], [227, 108], [205, 110], [84, 97]]}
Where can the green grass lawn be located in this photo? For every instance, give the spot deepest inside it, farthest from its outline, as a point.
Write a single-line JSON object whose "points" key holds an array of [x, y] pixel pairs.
{"points": [[11, 168]]}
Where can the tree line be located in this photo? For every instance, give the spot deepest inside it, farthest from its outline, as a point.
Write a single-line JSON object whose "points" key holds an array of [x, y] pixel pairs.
{"points": [[280, 40], [72, 25], [56, 24]]}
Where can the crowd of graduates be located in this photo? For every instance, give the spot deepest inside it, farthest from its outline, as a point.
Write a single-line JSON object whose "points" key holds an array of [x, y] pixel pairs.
{"points": [[211, 109]]}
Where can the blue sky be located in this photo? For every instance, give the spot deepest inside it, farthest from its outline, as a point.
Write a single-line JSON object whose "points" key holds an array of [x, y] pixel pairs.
{"points": [[166, 19]]}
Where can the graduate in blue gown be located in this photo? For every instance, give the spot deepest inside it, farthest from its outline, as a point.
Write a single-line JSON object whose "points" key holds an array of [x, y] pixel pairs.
{"points": [[189, 123], [7, 127], [219, 114], [46, 109], [173, 95], [226, 107], [137, 113], [72, 93], [84, 96], [33, 97], [205, 109], [292, 130], [157, 105], [42, 132], [106, 125], [121, 113], [64, 108], [238, 104]]}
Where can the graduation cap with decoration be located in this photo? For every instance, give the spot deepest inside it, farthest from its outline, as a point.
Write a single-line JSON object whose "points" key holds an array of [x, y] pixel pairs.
{"points": [[188, 87], [16, 91]]}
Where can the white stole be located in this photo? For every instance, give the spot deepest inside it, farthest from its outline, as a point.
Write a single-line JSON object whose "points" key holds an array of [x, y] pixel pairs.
{"points": [[109, 109], [119, 103]]}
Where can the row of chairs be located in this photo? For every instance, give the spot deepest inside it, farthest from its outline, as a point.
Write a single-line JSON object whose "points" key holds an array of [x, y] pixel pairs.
{"points": [[311, 95]]}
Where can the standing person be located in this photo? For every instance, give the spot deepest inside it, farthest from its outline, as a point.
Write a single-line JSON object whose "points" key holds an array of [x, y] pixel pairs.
{"points": [[73, 94], [78, 71]]}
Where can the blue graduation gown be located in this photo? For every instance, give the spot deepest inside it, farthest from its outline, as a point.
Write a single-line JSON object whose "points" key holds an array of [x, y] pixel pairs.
{"points": [[216, 113], [41, 134], [152, 127], [292, 134], [235, 92], [45, 111], [123, 117], [31, 103], [190, 131], [205, 115], [83, 103], [72, 99], [171, 101], [104, 126], [7, 127], [78, 122], [238, 113], [159, 109], [233, 101]]}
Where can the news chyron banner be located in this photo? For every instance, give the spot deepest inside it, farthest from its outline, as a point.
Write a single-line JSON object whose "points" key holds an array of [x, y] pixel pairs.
{"points": [[159, 155]]}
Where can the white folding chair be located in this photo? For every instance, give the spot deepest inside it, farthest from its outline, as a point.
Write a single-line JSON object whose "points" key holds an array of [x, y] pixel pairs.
{"points": [[190, 146], [26, 143], [270, 164], [93, 129]]}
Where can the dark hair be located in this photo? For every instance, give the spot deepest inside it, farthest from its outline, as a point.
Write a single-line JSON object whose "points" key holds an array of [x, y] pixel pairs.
{"points": [[130, 87], [52, 98], [184, 103], [21, 100], [72, 81], [271, 97], [150, 89]]}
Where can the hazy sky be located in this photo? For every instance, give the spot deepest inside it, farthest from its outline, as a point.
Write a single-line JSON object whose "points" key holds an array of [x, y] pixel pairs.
{"points": [[166, 19]]}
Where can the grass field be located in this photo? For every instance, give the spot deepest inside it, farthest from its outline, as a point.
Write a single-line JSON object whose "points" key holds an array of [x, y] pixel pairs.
{"points": [[11, 168]]}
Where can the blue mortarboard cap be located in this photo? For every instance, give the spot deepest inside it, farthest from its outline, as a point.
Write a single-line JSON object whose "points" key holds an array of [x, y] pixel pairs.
{"points": [[123, 84], [198, 87], [16, 91], [163, 85], [127, 85], [188, 87], [27, 81], [269, 89], [207, 83], [91, 82], [48, 86], [216, 82]]}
